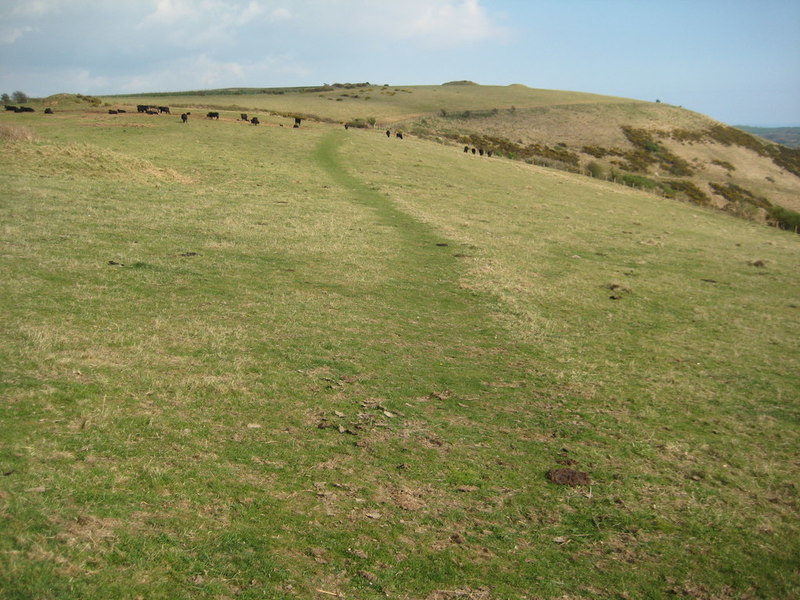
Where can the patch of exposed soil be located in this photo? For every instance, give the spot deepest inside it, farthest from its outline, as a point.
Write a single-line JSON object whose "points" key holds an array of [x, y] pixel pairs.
{"points": [[568, 477]]}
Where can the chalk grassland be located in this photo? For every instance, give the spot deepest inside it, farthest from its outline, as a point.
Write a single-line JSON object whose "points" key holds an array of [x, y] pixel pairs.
{"points": [[249, 362], [388, 104], [578, 131]]}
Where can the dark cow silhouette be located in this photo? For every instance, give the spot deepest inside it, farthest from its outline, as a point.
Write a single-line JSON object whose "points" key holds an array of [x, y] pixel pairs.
{"points": [[255, 121], [297, 121], [11, 108], [466, 148], [243, 116], [152, 112], [388, 133], [21, 109], [399, 135], [213, 115], [184, 117], [164, 109], [48, 111], [346, 126], [489, 153], [120, 110], [141, 108], [473, 150], [480, 151], [295, 126], [112, 112]]}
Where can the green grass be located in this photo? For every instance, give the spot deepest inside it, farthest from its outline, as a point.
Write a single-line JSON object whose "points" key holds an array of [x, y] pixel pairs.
{"points": [[387, 104], [328, 360]]}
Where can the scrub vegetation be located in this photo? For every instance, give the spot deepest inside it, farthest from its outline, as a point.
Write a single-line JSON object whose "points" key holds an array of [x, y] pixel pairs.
{"points": [[277, 362]]}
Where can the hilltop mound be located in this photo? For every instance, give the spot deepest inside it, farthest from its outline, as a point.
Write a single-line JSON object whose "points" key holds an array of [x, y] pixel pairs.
{"points": [[70, 99], [461, 82]]}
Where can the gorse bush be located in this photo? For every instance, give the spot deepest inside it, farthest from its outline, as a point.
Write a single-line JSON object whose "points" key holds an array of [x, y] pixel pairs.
{"points": [[648, 152], [688, 190], [596, 170], [784, 218], [739, 195]]}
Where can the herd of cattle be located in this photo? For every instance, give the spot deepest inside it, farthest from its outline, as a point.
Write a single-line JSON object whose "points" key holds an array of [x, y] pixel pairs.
{"points": [[157, 110], [20, 109]]}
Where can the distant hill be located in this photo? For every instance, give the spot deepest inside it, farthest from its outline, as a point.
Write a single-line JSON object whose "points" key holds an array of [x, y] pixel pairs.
{"points": [[788, 136]]}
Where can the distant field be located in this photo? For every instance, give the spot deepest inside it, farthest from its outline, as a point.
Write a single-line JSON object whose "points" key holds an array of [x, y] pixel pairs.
{"points": [[266, 362], [789, 136]]}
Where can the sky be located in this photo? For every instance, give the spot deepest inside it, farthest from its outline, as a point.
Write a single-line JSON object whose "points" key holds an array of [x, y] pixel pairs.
{"points": [[737, 61]]}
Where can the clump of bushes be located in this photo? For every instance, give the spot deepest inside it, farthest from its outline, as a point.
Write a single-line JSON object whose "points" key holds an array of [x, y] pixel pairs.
{"points": [[784, 218], [557, 157], [596, 170], [89, 99], [724, 164], [786, 158], [596, 151], [637, 181], [739, 195], [648, 152], [689, 190], [362, 123]]}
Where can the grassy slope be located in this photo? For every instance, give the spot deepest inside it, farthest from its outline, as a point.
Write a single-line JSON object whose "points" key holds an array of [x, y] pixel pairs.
{"points": [[326, 397], [532, 116], [388, 104]]}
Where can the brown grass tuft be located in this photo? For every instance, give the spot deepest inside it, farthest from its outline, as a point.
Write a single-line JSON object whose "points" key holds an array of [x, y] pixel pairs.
{"points": [[16, 133]]}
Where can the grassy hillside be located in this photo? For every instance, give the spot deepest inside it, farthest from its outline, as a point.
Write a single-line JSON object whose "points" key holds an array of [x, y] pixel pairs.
{"points": [[649, 145], [248, 362]]}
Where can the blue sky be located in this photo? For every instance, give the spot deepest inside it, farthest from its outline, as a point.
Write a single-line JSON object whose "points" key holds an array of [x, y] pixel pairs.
{"points": [[737, 61]]}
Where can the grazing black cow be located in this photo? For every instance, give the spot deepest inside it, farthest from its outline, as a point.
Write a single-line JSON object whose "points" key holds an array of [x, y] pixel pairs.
{"points": [[112, 112], [295, 126], [24, 109], [120, 110], [466, 148], [141, 108], [489, 153], [399, 135], [480, 151], [346, 126], [473, 150], [152, 112], [388, 133], [255, 121], [297, 121], [213, 115], [184, 118], [11, 108], [48, 111], [164, 109], [244, 117]]}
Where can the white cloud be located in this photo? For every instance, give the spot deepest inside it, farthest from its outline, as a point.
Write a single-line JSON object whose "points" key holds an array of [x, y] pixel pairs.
{"points": [[205, 72], [172, 11], [448, 23], [36, 8], [193, 24], [280, 14], [432, 23], [9, 36]]}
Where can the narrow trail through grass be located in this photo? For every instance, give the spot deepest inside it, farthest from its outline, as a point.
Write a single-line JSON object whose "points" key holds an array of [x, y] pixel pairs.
{"points": [[423, 284]]}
